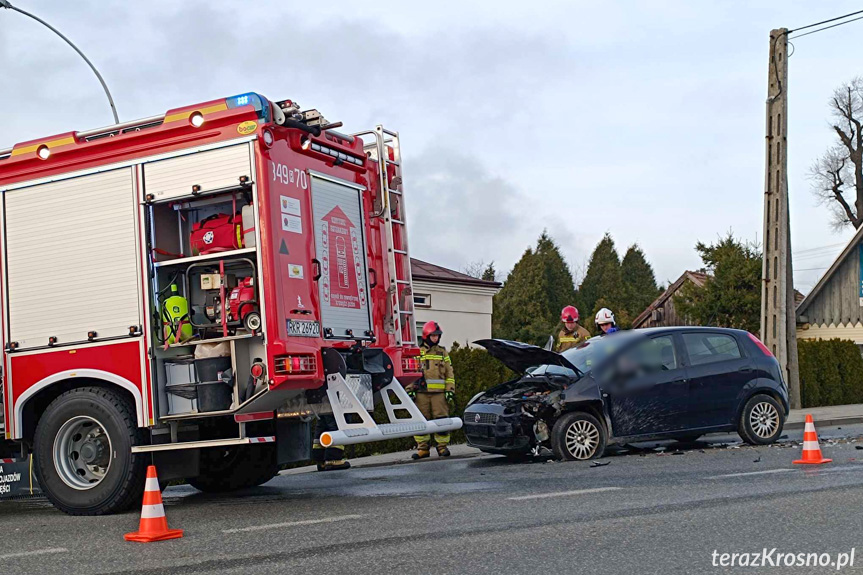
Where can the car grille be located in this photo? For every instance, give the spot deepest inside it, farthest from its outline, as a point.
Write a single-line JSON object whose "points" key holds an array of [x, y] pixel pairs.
{"points": [[486, 418]]}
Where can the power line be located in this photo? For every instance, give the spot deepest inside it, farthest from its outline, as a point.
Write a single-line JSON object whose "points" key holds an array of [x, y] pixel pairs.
{"points": [[810, 269], [827, 27], [819, 248], [825, 21]]}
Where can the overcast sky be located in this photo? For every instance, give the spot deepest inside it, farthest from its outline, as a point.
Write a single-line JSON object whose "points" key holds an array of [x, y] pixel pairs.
{"points": [[644, 120]]}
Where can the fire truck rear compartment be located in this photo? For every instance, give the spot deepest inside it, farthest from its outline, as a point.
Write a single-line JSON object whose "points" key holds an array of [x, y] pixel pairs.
{"points": [[164, 303]]}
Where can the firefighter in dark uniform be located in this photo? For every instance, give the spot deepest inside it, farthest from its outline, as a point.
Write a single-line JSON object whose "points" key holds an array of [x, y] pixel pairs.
{"points": [[435, 391], [328, 458]]}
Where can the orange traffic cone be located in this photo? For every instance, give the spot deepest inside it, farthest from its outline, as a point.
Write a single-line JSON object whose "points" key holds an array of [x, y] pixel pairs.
{"points": [[154, 524], [811, 449]]}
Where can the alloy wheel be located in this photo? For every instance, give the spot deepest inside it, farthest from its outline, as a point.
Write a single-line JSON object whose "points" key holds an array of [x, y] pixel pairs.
{"points": [[764, 419], [582, 439]]}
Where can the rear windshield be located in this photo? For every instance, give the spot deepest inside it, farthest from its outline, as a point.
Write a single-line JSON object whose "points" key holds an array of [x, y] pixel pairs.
{"points": [[589, 354]]}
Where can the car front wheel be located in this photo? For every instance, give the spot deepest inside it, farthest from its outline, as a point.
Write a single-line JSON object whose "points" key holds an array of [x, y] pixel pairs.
{"points": [[761, 420], [578, 436]]}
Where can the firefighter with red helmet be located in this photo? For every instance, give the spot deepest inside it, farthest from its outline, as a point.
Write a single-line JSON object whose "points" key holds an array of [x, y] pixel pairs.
{"points": [[571, 334], [435, 391]]}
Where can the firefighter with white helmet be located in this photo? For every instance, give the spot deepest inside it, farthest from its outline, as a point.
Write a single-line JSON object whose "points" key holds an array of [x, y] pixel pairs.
{"points": [[605, 322], [571, 334], [435, 391]]}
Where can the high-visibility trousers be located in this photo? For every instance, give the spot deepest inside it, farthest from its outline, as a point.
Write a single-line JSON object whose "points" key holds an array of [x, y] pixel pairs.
{"points": [[432, 406]]}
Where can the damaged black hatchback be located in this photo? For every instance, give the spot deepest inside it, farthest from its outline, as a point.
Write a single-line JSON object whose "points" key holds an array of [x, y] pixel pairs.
{"points": [[660, 383]]}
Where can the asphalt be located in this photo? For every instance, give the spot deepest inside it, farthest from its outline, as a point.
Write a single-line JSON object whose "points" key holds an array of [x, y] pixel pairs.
{"points": [[655, 508]]}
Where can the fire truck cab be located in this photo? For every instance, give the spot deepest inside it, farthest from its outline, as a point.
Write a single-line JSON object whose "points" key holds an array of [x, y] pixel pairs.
{"points": [[193, 290]]}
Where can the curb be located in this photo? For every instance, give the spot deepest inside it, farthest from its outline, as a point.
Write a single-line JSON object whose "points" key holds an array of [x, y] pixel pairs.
{"points": [[831, 422]]}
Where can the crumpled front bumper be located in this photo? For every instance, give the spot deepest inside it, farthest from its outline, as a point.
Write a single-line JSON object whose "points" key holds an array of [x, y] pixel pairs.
{"points": [[488, 428]]}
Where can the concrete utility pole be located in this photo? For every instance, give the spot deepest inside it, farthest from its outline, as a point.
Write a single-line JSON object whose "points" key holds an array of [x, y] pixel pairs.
{"points": [[778, 317]]}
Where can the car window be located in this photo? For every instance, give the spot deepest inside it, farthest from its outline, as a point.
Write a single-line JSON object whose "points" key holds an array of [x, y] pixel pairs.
{"points": [[704, 348], [592, 352], [649, 356]]}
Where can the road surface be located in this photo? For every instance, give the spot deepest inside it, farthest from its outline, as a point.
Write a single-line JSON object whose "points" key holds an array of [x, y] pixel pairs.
{"points": [[646, 511]]}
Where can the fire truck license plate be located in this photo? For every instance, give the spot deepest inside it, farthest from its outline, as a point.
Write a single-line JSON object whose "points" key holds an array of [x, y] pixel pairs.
{"points": [[304, 328]]}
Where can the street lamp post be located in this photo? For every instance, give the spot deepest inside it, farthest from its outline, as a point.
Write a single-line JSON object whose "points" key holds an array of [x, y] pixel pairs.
{"points": [[6, 4]]}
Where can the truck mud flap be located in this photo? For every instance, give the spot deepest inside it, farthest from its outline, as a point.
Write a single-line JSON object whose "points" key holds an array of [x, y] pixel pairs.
{"points": [[17, 479], [362, 427]]}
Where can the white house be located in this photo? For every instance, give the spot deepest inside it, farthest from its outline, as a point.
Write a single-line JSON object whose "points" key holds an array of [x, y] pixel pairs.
{"points": [[461, 304]]}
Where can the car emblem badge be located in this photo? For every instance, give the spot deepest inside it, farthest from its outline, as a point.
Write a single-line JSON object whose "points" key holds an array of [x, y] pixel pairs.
{"points": [[476, 418]]}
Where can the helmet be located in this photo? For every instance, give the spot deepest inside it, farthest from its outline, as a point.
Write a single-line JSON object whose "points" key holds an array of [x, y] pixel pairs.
{"points": [[604, 316], [431, 328], [569, 314]]}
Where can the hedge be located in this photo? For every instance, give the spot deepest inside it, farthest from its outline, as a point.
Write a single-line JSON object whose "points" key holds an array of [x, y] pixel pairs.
{"points": [[831, 372], [475, 371]]}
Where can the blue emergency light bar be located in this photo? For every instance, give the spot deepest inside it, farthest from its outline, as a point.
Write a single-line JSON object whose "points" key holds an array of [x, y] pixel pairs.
{"points": [[261, 104]]}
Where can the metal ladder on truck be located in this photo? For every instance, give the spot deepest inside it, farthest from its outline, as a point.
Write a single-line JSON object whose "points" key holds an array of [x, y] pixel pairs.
{"points": [[387, 151], [400, 319]]}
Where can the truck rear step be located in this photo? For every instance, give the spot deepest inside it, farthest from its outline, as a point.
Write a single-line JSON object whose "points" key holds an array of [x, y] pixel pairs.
{"points": [[345, 402]]}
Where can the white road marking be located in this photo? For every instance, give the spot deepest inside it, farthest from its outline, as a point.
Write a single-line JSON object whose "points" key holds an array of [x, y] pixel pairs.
{"points": [[290, 524], [36, 552], [563, 493], [765, 472]]}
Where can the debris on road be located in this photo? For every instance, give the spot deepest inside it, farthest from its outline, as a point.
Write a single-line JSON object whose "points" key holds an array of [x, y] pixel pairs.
{"points": [[600, 464]]}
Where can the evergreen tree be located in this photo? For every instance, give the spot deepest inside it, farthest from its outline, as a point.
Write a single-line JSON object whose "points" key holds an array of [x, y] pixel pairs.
{"points": [[602, 280], [639, 284], [540, 285], [489, 274], [731, 297]]}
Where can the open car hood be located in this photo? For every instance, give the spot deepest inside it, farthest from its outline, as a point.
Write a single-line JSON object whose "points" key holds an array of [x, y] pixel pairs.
{"points": [[520, 356]]}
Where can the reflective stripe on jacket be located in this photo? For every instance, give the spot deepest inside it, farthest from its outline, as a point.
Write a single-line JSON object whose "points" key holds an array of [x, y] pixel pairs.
{"points": [[437, 369], [569, 339]]}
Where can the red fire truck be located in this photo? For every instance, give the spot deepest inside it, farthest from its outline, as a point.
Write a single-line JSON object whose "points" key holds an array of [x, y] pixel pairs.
{"points": [[193, 290]]}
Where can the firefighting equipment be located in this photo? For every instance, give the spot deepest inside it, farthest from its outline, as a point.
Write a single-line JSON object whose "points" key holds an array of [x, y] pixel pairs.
{"points": [[604, 316], [569, 314], [450, 396], [432, 405], [217, 233], [437, 369], [330, 458], [412, 394], [247, 214], [176, 324], [568, 339], [431, 328], [443, 451], [243, 305]]}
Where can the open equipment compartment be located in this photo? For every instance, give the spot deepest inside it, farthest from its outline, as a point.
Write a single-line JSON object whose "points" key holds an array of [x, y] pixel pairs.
{"points": [[204, 280]]}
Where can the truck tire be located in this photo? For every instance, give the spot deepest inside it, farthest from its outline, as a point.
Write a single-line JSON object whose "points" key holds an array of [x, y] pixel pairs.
{"points": [[761, 420], [233, 468], [578, 436], [83, 452]]}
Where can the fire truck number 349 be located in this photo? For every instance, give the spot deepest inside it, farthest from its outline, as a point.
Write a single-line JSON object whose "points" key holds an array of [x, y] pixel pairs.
{"points": [[284, 174]]}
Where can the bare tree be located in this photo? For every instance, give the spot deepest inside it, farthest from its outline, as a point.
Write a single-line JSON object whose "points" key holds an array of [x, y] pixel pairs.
{"points": [[475, 269], [837, 176]]}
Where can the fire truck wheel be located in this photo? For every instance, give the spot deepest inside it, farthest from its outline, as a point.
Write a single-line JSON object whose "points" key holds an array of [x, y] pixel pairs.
{"points": [[83, 452], [252, 321], [232, 468]]}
